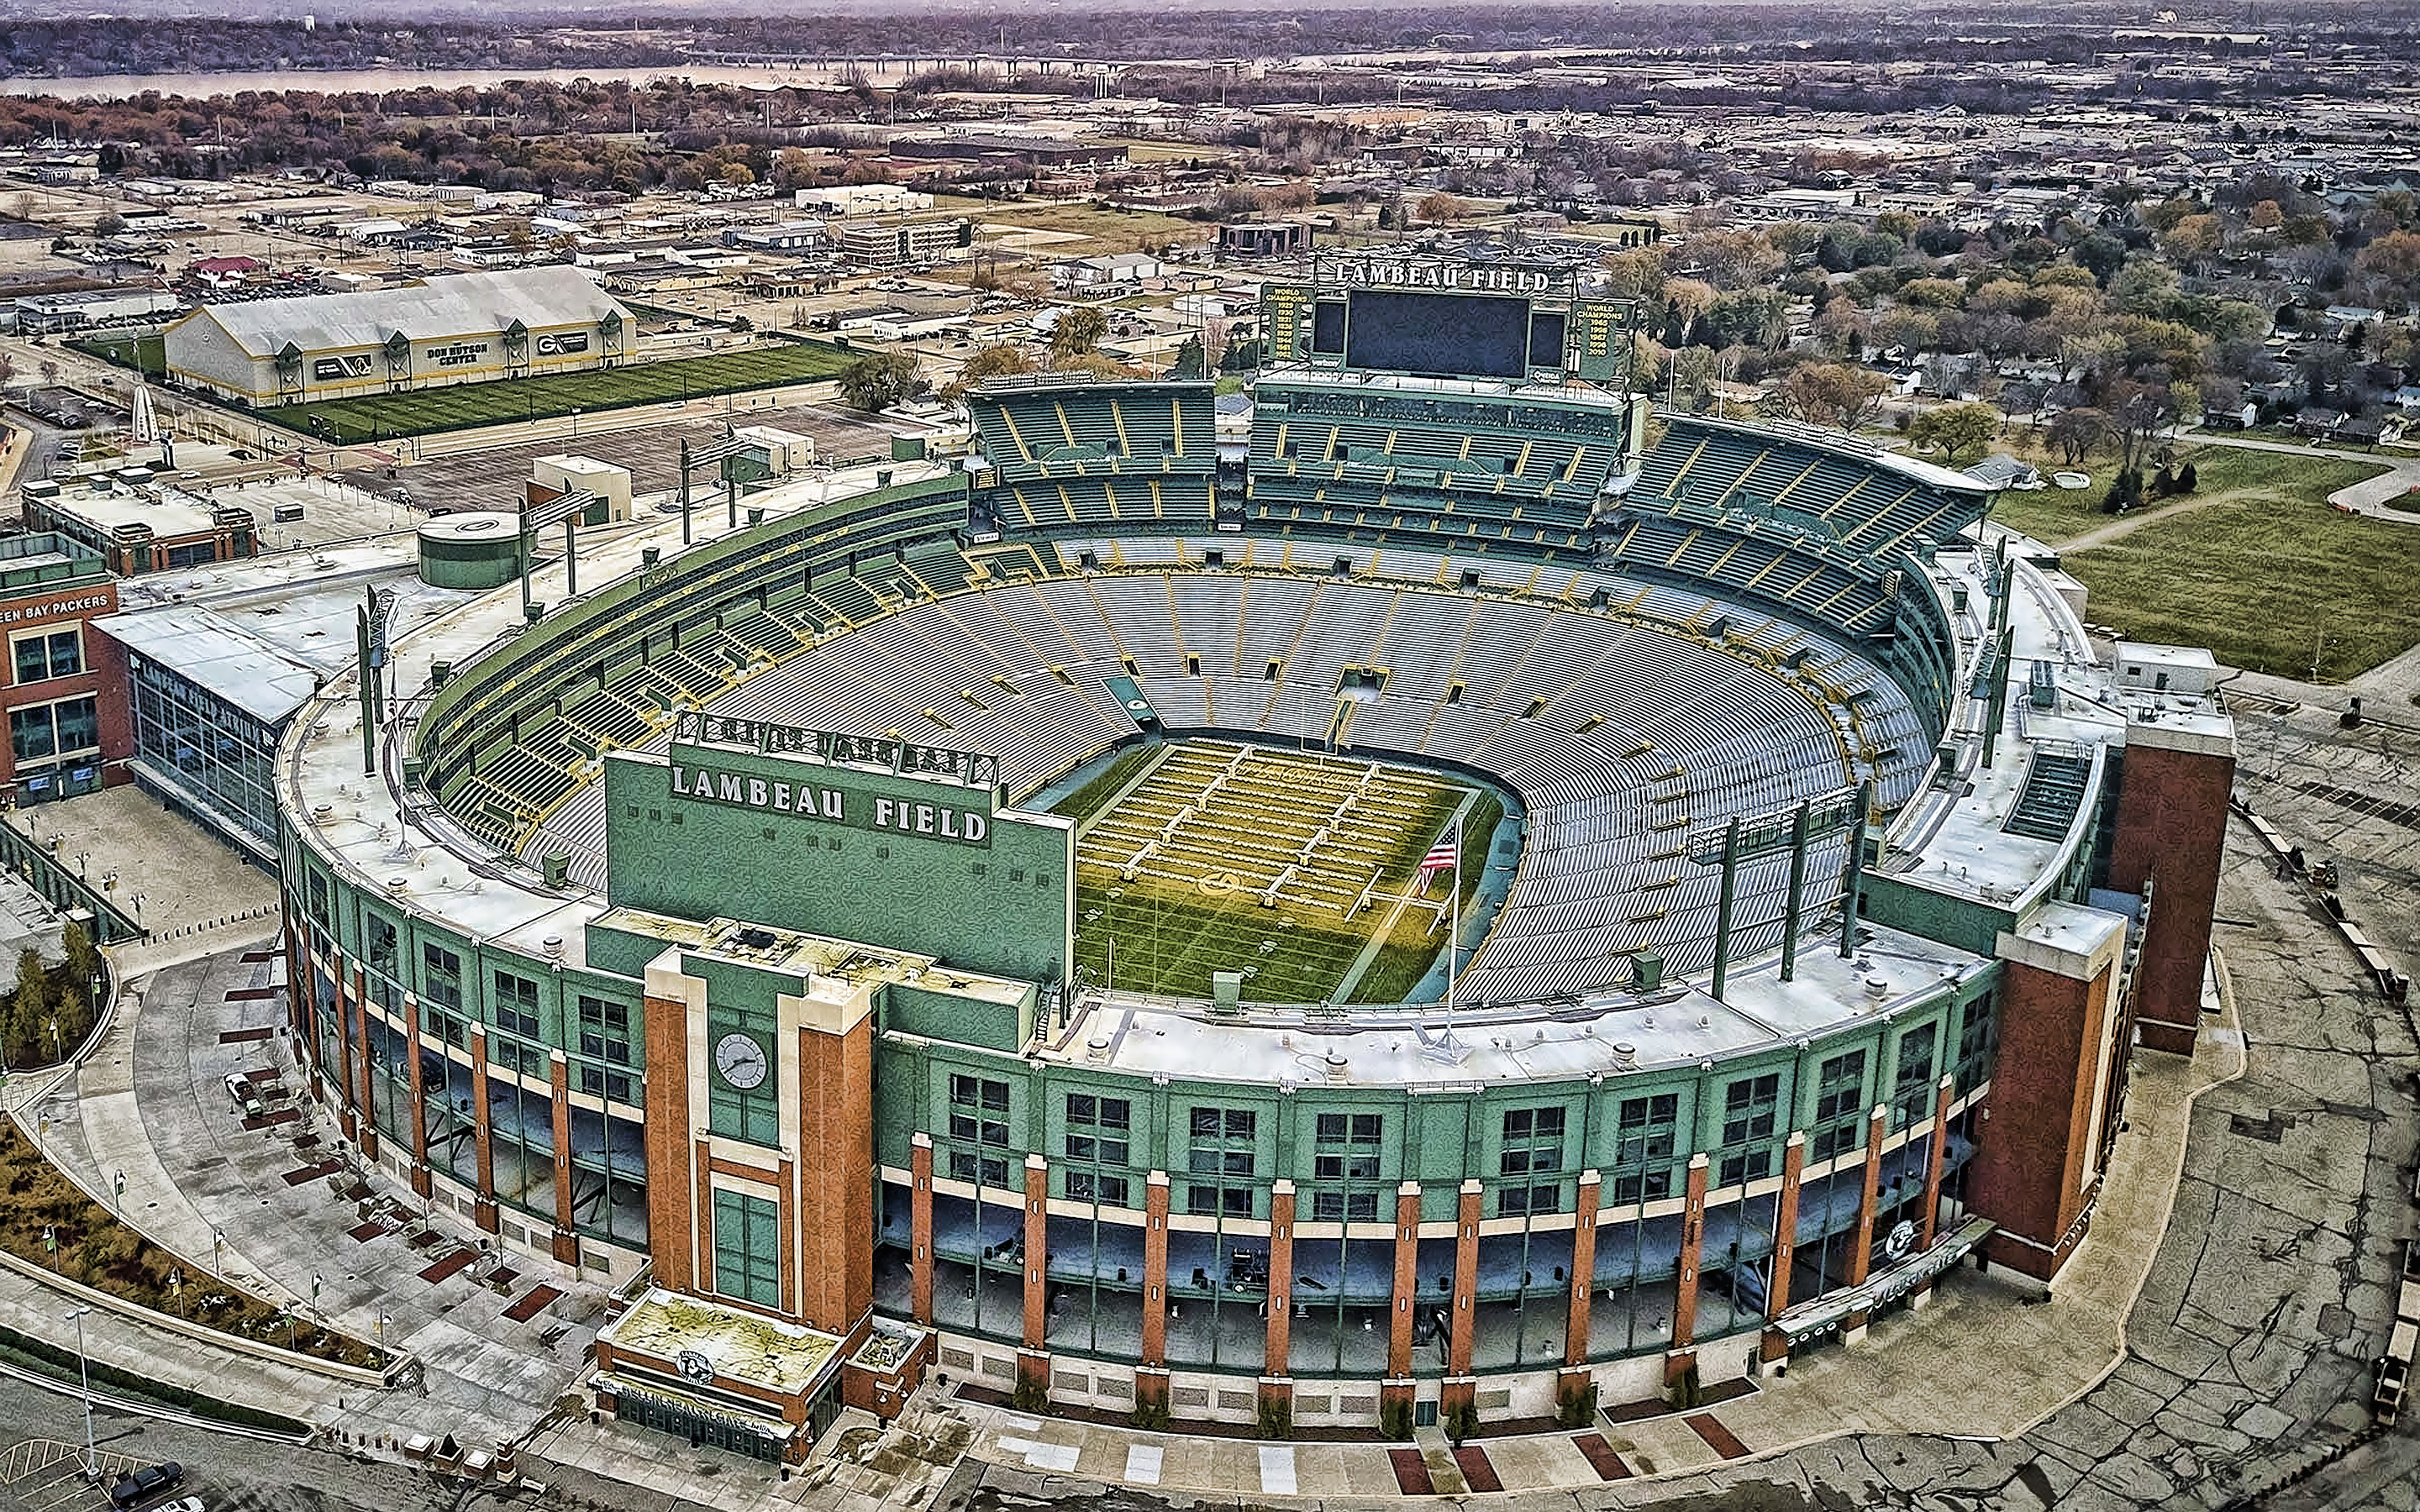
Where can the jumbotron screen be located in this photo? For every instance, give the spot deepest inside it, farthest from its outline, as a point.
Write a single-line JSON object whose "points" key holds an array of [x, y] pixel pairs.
{"points": [[1456, 335]]}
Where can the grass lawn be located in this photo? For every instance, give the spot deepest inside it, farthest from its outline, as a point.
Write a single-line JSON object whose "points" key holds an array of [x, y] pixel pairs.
{"points": [[142, 353], [2266, 575], [1107, 230], [2055, 515], [464, 405]]}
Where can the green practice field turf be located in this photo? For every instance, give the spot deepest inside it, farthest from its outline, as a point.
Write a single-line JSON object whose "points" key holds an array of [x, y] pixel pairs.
{"points": [[1286, 866], [384, 416]]}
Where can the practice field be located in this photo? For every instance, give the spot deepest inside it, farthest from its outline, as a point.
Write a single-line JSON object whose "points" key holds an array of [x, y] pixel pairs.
{"points": [[1296, 869], [464, 405]]}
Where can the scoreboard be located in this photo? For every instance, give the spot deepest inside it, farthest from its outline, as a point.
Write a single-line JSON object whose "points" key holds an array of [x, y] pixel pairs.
{"points": [[1440, 318]]}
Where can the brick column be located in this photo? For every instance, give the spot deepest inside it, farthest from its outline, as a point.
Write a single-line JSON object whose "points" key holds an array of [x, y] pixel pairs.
{"points": [[1458, 1393], [1682, 1356], [786, 1224], [919, 1226], [675, 1173], [483, 1134], [1279, 1334], [1154, 1270], [1861, 1247], [1407, 1280], [420, 1181], [367, 1138], [1037, 1241], [1150, 1375], [567, 1241], [1575, 1321], [2171, 831], [1938, 1167], [1785, 1245], [349, 1047]]}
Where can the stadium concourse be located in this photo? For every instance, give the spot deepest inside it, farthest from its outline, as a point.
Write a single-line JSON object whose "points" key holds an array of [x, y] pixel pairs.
{"points": [[726, 930]]}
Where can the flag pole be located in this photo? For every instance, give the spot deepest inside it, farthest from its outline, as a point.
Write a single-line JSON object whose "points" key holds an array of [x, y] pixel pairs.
{"points": [[1454, 930]]}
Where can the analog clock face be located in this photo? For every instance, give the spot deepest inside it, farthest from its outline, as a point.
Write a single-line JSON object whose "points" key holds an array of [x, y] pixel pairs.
{"points": [[742, 1061]]}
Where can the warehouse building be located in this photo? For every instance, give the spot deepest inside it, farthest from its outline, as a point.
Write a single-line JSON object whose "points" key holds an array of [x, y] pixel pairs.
{"points": [[463, 328]]}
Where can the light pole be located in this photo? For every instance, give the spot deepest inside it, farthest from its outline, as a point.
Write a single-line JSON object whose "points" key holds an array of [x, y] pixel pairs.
{"points": [[218, 1243], [83, 1369]]}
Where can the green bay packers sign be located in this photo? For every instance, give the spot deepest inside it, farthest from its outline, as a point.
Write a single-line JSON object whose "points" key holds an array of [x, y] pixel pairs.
{"points": [[872, 753]]}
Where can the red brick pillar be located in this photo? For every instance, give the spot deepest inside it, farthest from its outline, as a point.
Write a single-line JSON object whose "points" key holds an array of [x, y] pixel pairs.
{"points": [[1407, 1280], [1861, 1245], [1151, 1376], [1465, 1279], [349, 1054], [1785, 1245], [567, 1241], [676, 1226], [1682, 1356], [1278, 1333], [482, 1134], [419, 1093], [1937, 1167], [2171, 831], [1576, 1317], [2035, 1171], [919, 1226], [1037, 1244], [367, 1138]]}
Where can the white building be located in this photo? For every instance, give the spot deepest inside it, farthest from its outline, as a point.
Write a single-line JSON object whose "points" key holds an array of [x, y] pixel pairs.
{"points": [[462, 328]]}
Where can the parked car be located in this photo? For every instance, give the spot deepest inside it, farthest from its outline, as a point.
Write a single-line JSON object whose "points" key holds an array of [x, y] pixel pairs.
{"points": [[136, 1486]]}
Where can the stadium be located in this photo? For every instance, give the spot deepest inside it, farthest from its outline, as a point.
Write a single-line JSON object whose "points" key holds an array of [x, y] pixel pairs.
{"points": [[1466, 906]]}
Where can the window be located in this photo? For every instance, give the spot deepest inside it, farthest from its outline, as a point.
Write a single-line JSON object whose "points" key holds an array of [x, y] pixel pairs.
{"points": [[605, 1029], [1533, 1142], [747, 1249], [1642, 1186], [1345, 1206], [1218, 1201], [1525, 1198], [43, 656], [1224, 1142], [378, 943], [1648, 1128], [1751, 1108], [979, 1111], [1974, 1045], [1839, 1099], [1092, 1186], [1098, 1129], [54, 729], [1346, 1146], [987, 1170], [1912, 1089], [515, 1004], [441, 977]]}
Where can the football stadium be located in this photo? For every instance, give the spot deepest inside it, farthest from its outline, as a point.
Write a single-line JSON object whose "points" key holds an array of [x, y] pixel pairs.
{"points": [[1464, 902]]}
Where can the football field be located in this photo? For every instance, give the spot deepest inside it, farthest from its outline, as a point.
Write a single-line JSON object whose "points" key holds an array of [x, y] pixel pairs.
{"points": [[1299, 870]]}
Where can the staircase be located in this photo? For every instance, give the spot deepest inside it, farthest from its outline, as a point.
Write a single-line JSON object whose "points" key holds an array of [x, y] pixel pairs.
{"points": [[2054, 782]]}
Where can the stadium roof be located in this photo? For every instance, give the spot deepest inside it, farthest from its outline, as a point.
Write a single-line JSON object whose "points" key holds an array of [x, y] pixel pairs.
{"points": [[457, 304]]}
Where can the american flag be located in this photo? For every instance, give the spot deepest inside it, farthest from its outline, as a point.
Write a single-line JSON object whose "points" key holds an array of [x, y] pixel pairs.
{"points": [[1446, 854]]}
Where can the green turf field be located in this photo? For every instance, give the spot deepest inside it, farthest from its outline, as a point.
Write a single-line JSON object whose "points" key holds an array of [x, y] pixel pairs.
{"points": [[464, 405], [143, 353], [1170, 883]]}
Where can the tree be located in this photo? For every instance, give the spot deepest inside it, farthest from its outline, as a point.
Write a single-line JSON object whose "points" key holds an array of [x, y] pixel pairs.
{"points": [[999, 360], [1191, 361], [1956, 430], [2078, 433], [877, 381], [108, 223], [1438, 209], [1829, 393], [1079, 331]]}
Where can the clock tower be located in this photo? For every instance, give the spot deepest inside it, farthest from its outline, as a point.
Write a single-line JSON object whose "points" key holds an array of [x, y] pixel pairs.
{"points": [[760, 1125]]}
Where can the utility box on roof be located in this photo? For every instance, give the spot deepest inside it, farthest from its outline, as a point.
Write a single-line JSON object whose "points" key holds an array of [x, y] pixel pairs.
{"points": [[607, 482]]}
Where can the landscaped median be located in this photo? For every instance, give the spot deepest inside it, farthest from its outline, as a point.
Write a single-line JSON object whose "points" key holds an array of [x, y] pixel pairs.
{"points": [[53, 1229]]}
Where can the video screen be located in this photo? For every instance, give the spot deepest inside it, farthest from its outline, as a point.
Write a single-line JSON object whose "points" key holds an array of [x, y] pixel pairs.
{"points": [[1546, 339], [1443, 335], [1327, 328]]}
